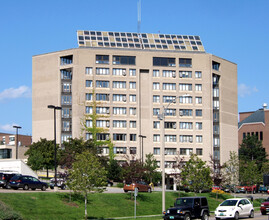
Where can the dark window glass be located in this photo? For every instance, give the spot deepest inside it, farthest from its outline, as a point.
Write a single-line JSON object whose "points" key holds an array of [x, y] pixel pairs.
{"points": [[185, 62], [129, 35], [131, 45], [105, 38], [92, 32], [195, 48], [193, 43], [124, 60], [165, 47], [66, 60], [244, 135], [163, 41], [197, 37], [169, 42], [99, 38], [119, 45], [117, 34], [198, 112], [124, 39], [183, 47], [159, 46], [81, 42], [261, 136], [125, 45], [93, 38], [152, 46], [110, 34], [157, 41], [198, 42], [136, 40], [87, 37], [161, 35], [167, 36], [175, 42], [80, 37], [215, 65], [135, 35], [102, 59], [137, 45], [113, 44], [146, 46], [86, 32], [163, 61], [98, 33], [185, 37], [177, 47], [100, 44], [179, 37], [191, 37], [144, 35], [145, 40], [122, 34]]}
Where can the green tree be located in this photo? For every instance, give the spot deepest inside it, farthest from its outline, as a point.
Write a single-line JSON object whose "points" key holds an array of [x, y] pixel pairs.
{"points": [[251, 149], [133, 170], [249, 173], [150, 165], [115, 171], [196, 174], [41, 155], [231, 170], [87, 176]]}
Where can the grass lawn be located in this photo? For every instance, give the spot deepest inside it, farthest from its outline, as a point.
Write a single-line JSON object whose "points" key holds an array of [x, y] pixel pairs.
{"points": [[57, 205]]}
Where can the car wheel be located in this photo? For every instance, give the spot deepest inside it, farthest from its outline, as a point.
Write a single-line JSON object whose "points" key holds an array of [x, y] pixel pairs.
{"points": [[263, 213], [187, 217], [236, 216], [125, 191], [205, 216], [63, 187], [251, 215], [33, 189], [149, 190], [25, 187], [43, 188]]}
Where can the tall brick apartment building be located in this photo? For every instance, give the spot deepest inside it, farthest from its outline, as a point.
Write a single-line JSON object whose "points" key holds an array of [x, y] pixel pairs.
{"points": [[135, 77], [255, 123]]}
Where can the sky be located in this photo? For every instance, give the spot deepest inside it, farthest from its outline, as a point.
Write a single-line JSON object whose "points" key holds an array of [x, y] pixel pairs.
{"points": [[236, 30]]}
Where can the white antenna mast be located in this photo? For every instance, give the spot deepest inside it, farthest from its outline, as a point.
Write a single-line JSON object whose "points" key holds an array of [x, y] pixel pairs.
{"points": [[138, 16]]}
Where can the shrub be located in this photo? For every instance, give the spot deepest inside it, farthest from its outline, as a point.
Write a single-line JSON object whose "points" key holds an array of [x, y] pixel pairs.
{"points": [[8, 213]]}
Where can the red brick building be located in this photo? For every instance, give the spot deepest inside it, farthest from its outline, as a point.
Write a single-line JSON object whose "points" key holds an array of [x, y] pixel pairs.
{"points": [[255, 123]]}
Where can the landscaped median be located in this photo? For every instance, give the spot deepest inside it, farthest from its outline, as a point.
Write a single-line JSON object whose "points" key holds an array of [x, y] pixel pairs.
{"points": [[100, 206]]}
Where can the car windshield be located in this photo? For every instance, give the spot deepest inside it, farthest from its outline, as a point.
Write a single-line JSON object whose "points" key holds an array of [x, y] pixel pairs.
{"points": [[16, 177], [229, 203], [184, 202]]}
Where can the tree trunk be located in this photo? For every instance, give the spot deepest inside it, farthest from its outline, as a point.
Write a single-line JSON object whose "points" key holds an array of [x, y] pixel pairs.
{"points": [[86, 206]]}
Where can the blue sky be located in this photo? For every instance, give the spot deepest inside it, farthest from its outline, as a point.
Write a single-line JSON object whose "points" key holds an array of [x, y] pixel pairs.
{"points": [[236, 30]]}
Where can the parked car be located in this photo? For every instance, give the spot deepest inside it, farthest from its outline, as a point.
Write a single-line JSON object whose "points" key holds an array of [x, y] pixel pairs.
{"points": [[234, 208], [217, 188], [265, 207], [27, 182], [250, 189], [5, 176], [263, 189], [140, 185], [61, 183], [188, 208]]}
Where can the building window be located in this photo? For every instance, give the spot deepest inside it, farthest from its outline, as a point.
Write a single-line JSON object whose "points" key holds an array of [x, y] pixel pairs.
{"points": [[119, 137], [185, 74], [102, 110], [169, 164], [156, 73], [119, 111], [88, 136], [5, 153], [102, 59], [170, 138], [215, 92], [66, 112], [261, 135], [185, 87], [132, 124], [132, 85], [186, 138], [156, 138], [132, 98], [198, 74], [89, 123], [119, 124], [199, 139], [156, 99], [199, 151], [185, 62], [185, 112], [169, 98], [170, 112], [156, 151], [66, 100], [156, 111], [170, 125], [124, 60], [102, 136], [216, 104], [65, 137], [119, 84], [156, 125], [88, 83], [88, 70], [216, 116], [169, 86], [119, 98], [105, 150], [66, 60], [215, 65], [66, 87], [132, 150], [198, 112], [66, 74], [216, 142], [119, 72], [88, 96], [185, 125], [170, 151], [156, 86], [199, 125], [132, 111], [66, 126], [185, 99], [162, 61], [198, 87], [185, 151], [102, 84], [88, 110], [132, 137], [216, 129], [169, 73], [119, 150], [132, 72], [102, 71], [198, 100], [244, 135], [102, 97]]}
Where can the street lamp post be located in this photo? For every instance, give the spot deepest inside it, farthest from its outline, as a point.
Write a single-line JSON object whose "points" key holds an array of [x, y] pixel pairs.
{"points": [[161, 117], [55, 146], [17, 127], [142, 151]]}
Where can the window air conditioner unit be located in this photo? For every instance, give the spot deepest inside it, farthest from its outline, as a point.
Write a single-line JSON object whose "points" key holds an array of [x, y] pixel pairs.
{"points": [[180, 113], [124, 99], [174, 126], [174, 75], [107, 124], [180, 75], [124, 73], [190, 141], [107, 111]]}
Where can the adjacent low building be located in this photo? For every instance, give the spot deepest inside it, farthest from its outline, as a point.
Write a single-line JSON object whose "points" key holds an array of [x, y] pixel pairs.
{"points": [[133, 78]]}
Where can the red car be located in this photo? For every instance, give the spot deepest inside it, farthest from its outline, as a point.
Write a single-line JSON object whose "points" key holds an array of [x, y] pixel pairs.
{"points": [[140, 185], [265, 207]]}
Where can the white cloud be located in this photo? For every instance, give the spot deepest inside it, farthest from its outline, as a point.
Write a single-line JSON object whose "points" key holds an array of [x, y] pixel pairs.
{"points": [[7, 128], [13, 93], [244, 90]]}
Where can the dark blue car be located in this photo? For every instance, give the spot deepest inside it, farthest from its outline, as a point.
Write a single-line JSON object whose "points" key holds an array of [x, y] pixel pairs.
{"points": [[27, 182]]}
